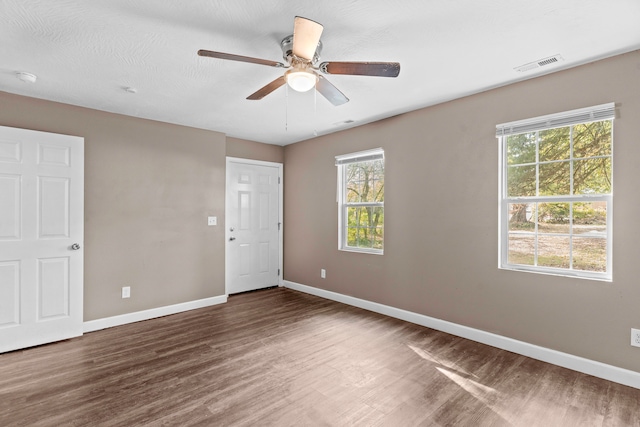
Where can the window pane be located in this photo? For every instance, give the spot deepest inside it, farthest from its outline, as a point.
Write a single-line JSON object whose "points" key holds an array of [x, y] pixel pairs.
{"points": [[566, 165], [553, 251], [555, 144], [592, 176], [365, 182], [521, 249], [357, 238], [590, 254], [553, 218], [590, 218], [376, 193], [365, 227], [555, 179], [354, 183], [592, 139], [522, 216], [378, 237], [351, 236], [521, 181], [521, 148]]}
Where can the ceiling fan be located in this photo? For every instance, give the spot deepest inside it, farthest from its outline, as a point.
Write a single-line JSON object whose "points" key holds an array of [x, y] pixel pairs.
{"points": [[301, 51]]}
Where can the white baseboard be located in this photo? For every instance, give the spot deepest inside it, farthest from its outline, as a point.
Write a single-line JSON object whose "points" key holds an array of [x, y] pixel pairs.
{"points": [[580, 364], [123, 319]]}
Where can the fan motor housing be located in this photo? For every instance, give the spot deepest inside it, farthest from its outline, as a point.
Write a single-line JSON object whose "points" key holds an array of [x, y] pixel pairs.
{"points": [[287, 49]]}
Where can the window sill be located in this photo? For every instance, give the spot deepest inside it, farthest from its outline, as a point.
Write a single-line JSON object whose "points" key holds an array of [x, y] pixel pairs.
{"points": [[571, 274], [363, 251]]}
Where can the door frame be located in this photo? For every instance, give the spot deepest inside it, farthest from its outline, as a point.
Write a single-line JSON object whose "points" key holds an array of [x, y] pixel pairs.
{"points": [[251, 162]]}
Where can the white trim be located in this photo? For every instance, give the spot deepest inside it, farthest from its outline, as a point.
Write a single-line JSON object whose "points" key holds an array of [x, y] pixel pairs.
{"points": [[565, 360], [566, 118], [280, 168], [360, 156], [123, 319], [253, 162]]}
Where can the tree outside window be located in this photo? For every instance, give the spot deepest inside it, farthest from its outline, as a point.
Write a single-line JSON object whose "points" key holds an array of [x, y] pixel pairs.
{"points": [[556, 202], [361, 201]]}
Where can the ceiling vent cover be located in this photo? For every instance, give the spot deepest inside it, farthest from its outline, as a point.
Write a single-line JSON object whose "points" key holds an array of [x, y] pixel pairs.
{"points": [[540, 63]]}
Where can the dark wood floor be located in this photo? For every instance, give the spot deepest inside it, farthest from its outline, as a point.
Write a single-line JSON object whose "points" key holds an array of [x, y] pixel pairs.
{"points": [[279, 357]]}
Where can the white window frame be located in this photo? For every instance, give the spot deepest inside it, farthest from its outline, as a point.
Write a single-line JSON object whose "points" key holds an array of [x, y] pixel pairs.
{"points": [[341, 161], [574, 117]]}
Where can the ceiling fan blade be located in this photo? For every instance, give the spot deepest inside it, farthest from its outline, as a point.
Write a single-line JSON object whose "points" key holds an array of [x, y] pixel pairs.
{"points": [[379, 69], [266, 90], [240, 58], [306, 35], [329, 91]]}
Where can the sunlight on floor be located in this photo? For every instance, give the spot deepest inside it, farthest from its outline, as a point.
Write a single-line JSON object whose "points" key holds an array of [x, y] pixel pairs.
{"points": [[479, 391], [488, 396], [428, 356]]}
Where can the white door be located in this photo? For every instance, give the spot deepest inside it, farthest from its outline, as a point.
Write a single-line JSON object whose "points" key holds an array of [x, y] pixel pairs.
{"points": [[253, 221], [41, 237]]}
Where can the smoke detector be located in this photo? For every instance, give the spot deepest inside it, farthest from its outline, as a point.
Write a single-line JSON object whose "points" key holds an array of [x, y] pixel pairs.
{"points": [[27, 77]]}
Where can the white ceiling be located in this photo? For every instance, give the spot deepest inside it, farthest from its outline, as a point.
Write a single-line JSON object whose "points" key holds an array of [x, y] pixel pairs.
{"points": [[85, 52]]}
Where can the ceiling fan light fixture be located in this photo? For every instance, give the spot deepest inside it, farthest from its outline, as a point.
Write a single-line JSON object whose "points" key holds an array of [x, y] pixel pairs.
{"points": [[301, 52], [301, 80]]}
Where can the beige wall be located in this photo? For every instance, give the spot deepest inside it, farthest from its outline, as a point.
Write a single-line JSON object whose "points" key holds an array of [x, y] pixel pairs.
{"points": [[441, 206], [245, 149], [149, 187]]}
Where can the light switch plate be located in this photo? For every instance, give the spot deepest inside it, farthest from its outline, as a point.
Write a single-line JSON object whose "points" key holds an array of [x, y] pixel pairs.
{"points": [[212, 220]]}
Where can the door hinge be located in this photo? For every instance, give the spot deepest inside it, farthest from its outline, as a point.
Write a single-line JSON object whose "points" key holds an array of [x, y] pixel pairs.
{"points": [[278, 180], [279, 226], [278, 272]]}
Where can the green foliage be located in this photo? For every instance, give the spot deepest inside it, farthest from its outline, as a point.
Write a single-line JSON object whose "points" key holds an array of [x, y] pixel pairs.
{"points": [[365, 227], [521, 149], [523, 215], [365, 184], [568, 161], [589, 213], [551, 151], [554, 213]]}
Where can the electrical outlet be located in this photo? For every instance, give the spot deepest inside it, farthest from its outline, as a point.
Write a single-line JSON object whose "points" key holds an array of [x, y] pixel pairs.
{"points": [[635, 337], [212, 220], [323, 273], [126, 291]]}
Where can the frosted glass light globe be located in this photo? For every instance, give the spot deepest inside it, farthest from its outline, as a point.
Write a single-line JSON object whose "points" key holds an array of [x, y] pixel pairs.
{"points": [[300, 80]]}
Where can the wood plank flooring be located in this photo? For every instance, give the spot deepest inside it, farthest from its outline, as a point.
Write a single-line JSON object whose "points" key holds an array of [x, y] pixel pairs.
{"points": [[282, 358]]}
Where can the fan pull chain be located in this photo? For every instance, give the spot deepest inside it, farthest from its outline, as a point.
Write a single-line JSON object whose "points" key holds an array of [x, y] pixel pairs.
{"points": [[286, 108]]}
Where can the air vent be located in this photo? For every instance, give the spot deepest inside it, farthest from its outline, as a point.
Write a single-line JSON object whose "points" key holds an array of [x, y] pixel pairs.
{"points": [[540, 63]]}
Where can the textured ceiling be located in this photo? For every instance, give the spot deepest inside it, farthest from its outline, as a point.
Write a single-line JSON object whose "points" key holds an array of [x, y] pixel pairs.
{"points": [[86, 52]]}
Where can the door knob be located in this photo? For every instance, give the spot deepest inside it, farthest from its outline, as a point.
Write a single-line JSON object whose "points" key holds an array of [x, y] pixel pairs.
{"points": [[75, 246], [231, 239]]}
